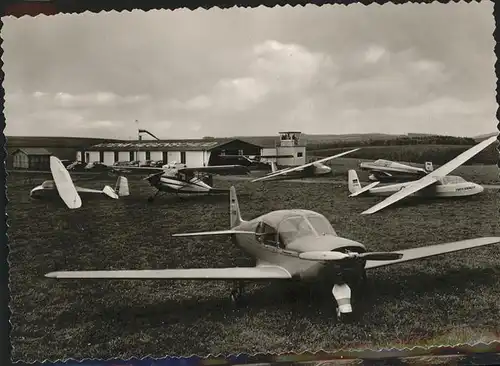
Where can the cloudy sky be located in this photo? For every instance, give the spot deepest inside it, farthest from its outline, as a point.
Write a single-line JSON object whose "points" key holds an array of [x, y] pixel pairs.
{"points": [[331, 69]]}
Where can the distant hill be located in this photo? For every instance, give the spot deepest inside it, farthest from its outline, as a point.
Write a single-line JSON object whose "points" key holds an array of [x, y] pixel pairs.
{"points": [[485, 136], [312, 139], [271, 141]]}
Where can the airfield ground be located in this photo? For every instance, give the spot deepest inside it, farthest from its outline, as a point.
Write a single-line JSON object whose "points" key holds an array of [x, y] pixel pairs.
{"points": [[448, 299]]}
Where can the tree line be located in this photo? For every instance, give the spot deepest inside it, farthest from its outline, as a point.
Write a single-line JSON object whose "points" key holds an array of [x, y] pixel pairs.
{"points": [[397, 141], [438, 154]]}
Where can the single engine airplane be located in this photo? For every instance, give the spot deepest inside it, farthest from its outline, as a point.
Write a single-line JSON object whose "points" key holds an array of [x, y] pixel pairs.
{"points": [[62, 185], [312, 169], [435, 184], [179, 179], [292, 245], [382, 170]]}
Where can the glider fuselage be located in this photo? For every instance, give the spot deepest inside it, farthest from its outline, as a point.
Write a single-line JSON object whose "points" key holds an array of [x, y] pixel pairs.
{"points": [[461, 189]]}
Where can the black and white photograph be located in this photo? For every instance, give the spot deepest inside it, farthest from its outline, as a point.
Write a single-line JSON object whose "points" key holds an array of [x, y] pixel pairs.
{"points": [[251, 180]]}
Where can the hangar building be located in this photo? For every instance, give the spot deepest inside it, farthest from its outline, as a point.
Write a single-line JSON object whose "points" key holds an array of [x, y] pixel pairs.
{"points": [[35, 158], [192, 152]]}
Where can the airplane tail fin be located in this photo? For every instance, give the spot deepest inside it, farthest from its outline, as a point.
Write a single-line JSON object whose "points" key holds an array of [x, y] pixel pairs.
{"points": [[234, 208], [428, 167], [122, 186], [354, 184]]}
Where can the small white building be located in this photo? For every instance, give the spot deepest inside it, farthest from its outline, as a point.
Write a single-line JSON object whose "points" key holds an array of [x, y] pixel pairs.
{"points": [[289, 152], [193, 152]]}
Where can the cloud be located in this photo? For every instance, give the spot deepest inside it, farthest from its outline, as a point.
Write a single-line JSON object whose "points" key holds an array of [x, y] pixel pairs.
{"points": [[374, 53], [240, 71], [98, 99], [275, 68]]}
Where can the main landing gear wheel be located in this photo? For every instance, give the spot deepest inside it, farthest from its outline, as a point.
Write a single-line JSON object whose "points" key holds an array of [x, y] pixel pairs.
{"points": [[237, 295]]}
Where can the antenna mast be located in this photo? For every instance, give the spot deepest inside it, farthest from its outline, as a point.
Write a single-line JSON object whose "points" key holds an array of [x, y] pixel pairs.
{"points": [[138, 139]]}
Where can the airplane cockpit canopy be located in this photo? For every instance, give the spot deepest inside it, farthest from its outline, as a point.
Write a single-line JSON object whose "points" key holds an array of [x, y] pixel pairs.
{"points": [[451, 179], [48, 184], [300, 223], [382, 162]]}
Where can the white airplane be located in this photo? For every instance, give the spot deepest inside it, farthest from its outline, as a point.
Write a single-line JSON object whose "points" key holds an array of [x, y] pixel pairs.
{"points": [[291, 245], [384, 170], [435, 184], [62, 185], [313, 169], [177, 178]]}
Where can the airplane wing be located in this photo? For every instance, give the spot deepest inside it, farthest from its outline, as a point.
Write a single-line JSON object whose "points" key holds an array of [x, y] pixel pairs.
{"points": [[215, 169], [218, 232], [244, 273], [288, 170], [431, 178], [136, 169], [433, 250], [64, 184], [281, 171]]}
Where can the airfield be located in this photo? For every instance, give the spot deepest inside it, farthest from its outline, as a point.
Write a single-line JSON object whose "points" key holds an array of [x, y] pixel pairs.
{"points": [[443, 300]]}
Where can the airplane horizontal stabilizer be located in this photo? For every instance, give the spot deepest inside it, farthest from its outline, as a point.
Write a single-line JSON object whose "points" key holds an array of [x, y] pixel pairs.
{"points": [[364, 189], [110, 192], [245, 273], [220, 232]]}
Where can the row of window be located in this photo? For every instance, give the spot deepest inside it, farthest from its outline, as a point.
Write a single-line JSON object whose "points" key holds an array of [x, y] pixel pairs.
{"points": [[132, 155]]}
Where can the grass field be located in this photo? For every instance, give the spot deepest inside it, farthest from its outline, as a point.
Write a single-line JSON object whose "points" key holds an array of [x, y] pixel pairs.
{"points": [[449, 299]]}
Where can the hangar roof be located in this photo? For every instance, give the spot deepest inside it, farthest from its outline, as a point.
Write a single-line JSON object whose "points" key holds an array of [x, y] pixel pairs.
{"points": [[33, 151], [177, 145]]}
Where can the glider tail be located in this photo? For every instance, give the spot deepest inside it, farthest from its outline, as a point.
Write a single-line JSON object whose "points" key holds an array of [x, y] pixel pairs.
{"points": [[354, 184], [121, 187], [234, 208], [428, 167]]}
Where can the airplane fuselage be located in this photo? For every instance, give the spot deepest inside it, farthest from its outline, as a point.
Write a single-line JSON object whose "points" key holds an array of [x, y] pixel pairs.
{"points": [[400, 177], [315, 170], [444, 190], [43, 192], [170, 183], [288, 258], [391, 167]]}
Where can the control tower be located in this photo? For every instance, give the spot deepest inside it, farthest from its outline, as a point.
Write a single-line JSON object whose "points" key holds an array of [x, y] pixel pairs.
{"points": [[288, 152]]}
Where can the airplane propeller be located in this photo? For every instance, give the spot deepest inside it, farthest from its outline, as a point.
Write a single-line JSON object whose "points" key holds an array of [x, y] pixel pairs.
{"points": [[335, 256], [153, 178]]}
